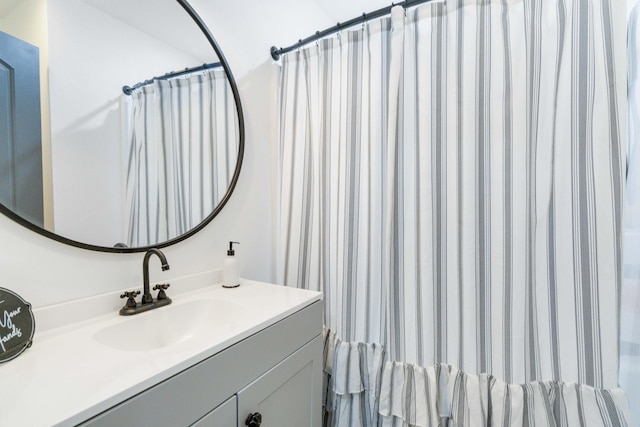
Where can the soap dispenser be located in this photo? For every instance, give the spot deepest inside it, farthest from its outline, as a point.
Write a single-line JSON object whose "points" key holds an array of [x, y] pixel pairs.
{"points": [[230, 278]]}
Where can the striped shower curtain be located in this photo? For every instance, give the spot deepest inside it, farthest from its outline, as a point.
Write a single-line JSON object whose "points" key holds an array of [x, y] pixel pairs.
{"points": [[452, 181], [181, 139], [630, 309]]}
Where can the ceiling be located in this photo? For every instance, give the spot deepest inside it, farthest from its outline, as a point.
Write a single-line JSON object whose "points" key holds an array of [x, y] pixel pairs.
{"points": [[164, 20]]}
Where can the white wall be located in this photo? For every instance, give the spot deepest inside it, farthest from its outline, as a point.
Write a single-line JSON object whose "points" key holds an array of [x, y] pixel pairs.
{"points": [[45, 272], [88, 155]]}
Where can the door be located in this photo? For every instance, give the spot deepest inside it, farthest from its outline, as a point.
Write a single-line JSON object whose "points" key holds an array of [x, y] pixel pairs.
{"points": [[20, 131], [289, 395]]}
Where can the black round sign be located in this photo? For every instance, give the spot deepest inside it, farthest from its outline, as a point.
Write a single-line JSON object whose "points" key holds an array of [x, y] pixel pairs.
{"points": [[17, 325]]}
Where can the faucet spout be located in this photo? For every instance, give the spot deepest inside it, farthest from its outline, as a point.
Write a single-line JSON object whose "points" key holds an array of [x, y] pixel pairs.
{"points": [[146, 296]]}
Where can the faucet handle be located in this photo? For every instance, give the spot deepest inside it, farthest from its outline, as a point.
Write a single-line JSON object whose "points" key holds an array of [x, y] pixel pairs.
{"points": [[130, 295], [161, 290]]}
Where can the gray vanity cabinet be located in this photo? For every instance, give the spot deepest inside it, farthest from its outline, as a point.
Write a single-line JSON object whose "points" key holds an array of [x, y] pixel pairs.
{"points": [[276, 372], [224, 415], [285, 396]]}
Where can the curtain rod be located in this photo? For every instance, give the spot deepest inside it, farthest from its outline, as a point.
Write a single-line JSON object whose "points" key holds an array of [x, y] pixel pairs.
{"points": [[127, 90], [275, 52]]}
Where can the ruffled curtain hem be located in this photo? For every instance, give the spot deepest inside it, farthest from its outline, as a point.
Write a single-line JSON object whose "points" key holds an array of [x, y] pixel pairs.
{"points": [[361, 388], [445, 395], [352, 373]]}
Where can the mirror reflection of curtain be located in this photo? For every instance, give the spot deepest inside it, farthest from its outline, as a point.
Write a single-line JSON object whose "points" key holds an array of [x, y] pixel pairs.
{"points": [[181, 147], [451, 180]]}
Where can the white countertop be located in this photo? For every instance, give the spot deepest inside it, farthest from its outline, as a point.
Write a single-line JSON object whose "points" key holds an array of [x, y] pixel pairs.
{"points": [[68, 376]]}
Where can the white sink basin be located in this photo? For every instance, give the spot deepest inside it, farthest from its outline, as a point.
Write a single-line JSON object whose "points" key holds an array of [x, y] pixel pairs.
{"points": [[170, 325]]}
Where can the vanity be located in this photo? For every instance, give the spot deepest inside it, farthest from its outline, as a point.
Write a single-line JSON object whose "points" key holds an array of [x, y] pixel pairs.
{"points": [[214, 357], [210, 356]]}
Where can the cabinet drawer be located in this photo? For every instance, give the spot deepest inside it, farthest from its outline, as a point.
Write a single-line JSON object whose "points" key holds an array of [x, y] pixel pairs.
{"points": [[223, 416]]}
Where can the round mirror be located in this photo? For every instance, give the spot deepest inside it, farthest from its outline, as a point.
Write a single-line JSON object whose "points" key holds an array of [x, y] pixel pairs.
{"points": [[121, 126]]}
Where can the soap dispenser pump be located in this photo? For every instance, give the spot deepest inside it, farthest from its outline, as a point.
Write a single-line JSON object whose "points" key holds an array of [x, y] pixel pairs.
{"points": [[230, 278]]}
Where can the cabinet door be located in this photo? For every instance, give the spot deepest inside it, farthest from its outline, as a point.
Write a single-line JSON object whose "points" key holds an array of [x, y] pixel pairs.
{"points": [[224, 415], [288, 395]]}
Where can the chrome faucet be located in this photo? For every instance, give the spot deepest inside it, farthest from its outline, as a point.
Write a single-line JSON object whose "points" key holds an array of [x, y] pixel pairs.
{"points": [[147, 303]]}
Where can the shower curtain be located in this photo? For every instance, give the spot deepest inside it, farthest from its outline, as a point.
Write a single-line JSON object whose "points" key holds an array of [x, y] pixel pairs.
{"points": [[181, 143], [630, 309], [451, 179]]}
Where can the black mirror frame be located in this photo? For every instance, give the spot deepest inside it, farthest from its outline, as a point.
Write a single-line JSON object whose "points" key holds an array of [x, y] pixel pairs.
{"points": [[236, 96]]}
